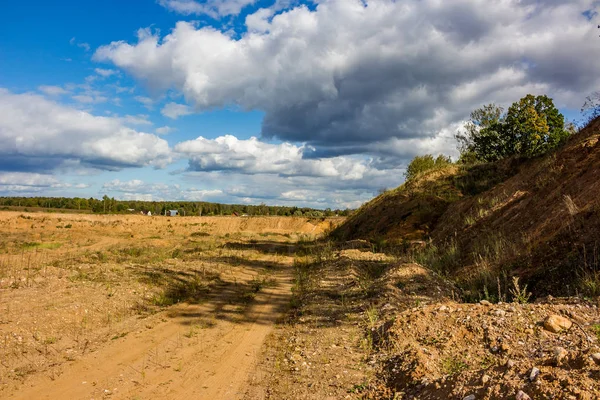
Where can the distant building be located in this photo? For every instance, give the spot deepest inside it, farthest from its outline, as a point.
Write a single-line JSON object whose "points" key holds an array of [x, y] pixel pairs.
{"points": [[173, 213]]}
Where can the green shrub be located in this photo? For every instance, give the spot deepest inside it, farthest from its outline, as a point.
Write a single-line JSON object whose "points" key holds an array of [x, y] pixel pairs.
{"points": [[425, 163]]}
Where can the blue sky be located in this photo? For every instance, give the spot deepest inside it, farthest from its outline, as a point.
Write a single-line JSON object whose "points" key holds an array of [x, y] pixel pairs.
{"points": [[318, 103]]}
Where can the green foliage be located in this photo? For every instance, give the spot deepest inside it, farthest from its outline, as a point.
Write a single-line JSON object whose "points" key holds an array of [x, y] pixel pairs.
{"points": [[421, 164], [531, 127], [481, 137]]}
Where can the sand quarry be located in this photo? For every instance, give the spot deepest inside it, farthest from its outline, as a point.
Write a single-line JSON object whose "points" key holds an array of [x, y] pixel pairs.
{"points": [[128, 306], [134, 307]]}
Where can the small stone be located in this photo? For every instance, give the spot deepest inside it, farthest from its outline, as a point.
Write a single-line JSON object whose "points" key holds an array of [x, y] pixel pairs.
{"points": [[510, 364], [529, 331], [556, 323], [560, 354], [469, 397], [499, 313], [504, 348], [485, 379], [485, 303], [522, 396], [596, 358], [442, 308], [533, 375]]}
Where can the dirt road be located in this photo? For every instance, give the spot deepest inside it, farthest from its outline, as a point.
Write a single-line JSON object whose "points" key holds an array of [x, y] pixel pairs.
{"points": [[204, 351]]}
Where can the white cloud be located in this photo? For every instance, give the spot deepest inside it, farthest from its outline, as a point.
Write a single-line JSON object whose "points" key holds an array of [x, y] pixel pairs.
{"points": [[89, 99], [139, 190], [356, 72], [201, 195], [133, 185], [212, 8], [83, 45], [259, 21], [37, 134], [146, 101], [25, 183], [164, 130], [255, 157], [27, 179], [140, 119], [105, 73], [174, 110], [52, 90]]}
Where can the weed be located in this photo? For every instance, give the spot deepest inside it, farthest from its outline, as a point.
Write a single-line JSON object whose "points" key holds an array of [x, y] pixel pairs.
{"points": [[257, 284], [359, 388], [372, 317], [440, 259], [200, 234], [470, 220], [181, 290], [596, 329], [570, 205], [37, 245], [453, 365], [50, 340], [119, 336], [519, 295]]}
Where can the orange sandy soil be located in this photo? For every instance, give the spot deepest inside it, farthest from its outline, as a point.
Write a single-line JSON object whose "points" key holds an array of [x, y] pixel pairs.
{"points": [[140, 307]]}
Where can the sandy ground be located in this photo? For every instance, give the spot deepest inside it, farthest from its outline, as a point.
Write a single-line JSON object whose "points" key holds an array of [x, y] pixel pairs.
{"points": [[134, 307], [160, 362]]}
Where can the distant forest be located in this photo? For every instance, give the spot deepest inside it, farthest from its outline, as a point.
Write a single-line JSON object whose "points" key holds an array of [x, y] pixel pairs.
{"points": [[109, 205]]}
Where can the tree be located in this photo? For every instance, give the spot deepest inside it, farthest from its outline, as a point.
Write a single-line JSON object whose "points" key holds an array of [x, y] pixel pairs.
{"points": [[420, 164], [481, 136], [534, 126], [531, 127]]}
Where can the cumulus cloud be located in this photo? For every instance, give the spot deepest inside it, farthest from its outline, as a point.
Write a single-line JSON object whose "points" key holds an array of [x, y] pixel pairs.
{"points": [[27, 179], [24, 183], [164, 130], [352, 73], [147, 102], [174, 110], [255, 157], [52, 90], [89, 99], [212, 8], [317, 192], [139, 190], [105, 73], [140, 119], [38, 134]]}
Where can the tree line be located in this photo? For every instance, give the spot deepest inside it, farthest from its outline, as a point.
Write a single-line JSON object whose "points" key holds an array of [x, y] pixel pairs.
{"points": [[109, 205]]}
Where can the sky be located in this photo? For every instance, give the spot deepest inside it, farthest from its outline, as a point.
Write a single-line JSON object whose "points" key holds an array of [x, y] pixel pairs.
{"points": [[284, 102]]}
